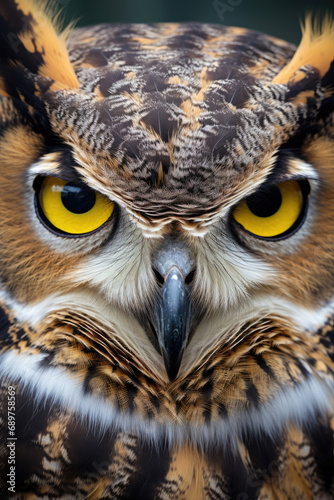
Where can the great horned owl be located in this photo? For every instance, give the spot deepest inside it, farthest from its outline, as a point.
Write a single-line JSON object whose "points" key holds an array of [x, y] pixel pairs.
{"points": [[166, 261]]}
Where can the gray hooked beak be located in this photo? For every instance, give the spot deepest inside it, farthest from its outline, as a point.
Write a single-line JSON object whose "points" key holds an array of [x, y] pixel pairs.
{"points": [[174, 321], [174, 265]]}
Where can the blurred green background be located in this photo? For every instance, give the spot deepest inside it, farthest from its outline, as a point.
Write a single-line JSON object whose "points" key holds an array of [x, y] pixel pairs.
{"points": [[278, 18]]}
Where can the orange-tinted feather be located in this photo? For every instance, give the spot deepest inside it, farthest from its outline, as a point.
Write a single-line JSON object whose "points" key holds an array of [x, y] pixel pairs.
{"points": [[316, 49], [42, 48]]}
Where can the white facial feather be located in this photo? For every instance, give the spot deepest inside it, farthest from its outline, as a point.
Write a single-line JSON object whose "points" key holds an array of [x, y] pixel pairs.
{"points": [[298, 404], [214, 328]]}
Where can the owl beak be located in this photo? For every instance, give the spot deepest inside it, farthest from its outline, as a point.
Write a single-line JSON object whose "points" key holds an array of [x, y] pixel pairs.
{"points": [[173, 315]]}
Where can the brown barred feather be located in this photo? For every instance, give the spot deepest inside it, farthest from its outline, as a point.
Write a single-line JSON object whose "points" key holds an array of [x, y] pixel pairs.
{"points": [[174, 126]]}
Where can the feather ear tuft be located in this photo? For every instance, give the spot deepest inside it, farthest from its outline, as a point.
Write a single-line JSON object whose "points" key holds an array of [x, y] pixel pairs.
{"points": [[316, 49], [29, 40]]}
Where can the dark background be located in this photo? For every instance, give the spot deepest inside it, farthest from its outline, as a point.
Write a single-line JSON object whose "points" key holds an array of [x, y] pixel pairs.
{"points": [[278, 18]]}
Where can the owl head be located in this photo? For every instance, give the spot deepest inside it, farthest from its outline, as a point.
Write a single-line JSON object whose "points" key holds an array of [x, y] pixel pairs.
{"points": [[167, 218]]}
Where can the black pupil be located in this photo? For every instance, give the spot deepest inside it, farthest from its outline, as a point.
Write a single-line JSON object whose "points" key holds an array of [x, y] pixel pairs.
{"points": [[265, 204], [77, 199]]}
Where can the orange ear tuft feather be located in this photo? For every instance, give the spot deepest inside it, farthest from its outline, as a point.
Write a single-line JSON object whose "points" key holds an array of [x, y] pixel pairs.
{"points": [[316, 49], [32, 41]]}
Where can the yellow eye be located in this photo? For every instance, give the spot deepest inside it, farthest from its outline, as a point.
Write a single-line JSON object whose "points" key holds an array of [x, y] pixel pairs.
{"points": [[272, 212], [72, 208]]}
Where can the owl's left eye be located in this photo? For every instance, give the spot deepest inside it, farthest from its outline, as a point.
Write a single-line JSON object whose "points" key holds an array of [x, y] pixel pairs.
{"points": [[70, 208], [275, 212]]}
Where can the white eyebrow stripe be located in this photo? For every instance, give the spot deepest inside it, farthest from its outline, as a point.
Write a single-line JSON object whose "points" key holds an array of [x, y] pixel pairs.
{"points": [[301, 168]]}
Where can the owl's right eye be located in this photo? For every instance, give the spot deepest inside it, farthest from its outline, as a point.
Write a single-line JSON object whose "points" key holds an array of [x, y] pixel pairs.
{"points": [[274, 213], [70, 208]]}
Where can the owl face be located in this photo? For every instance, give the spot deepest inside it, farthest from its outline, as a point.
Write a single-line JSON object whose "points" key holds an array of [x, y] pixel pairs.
{"points": [[167, 235]]}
